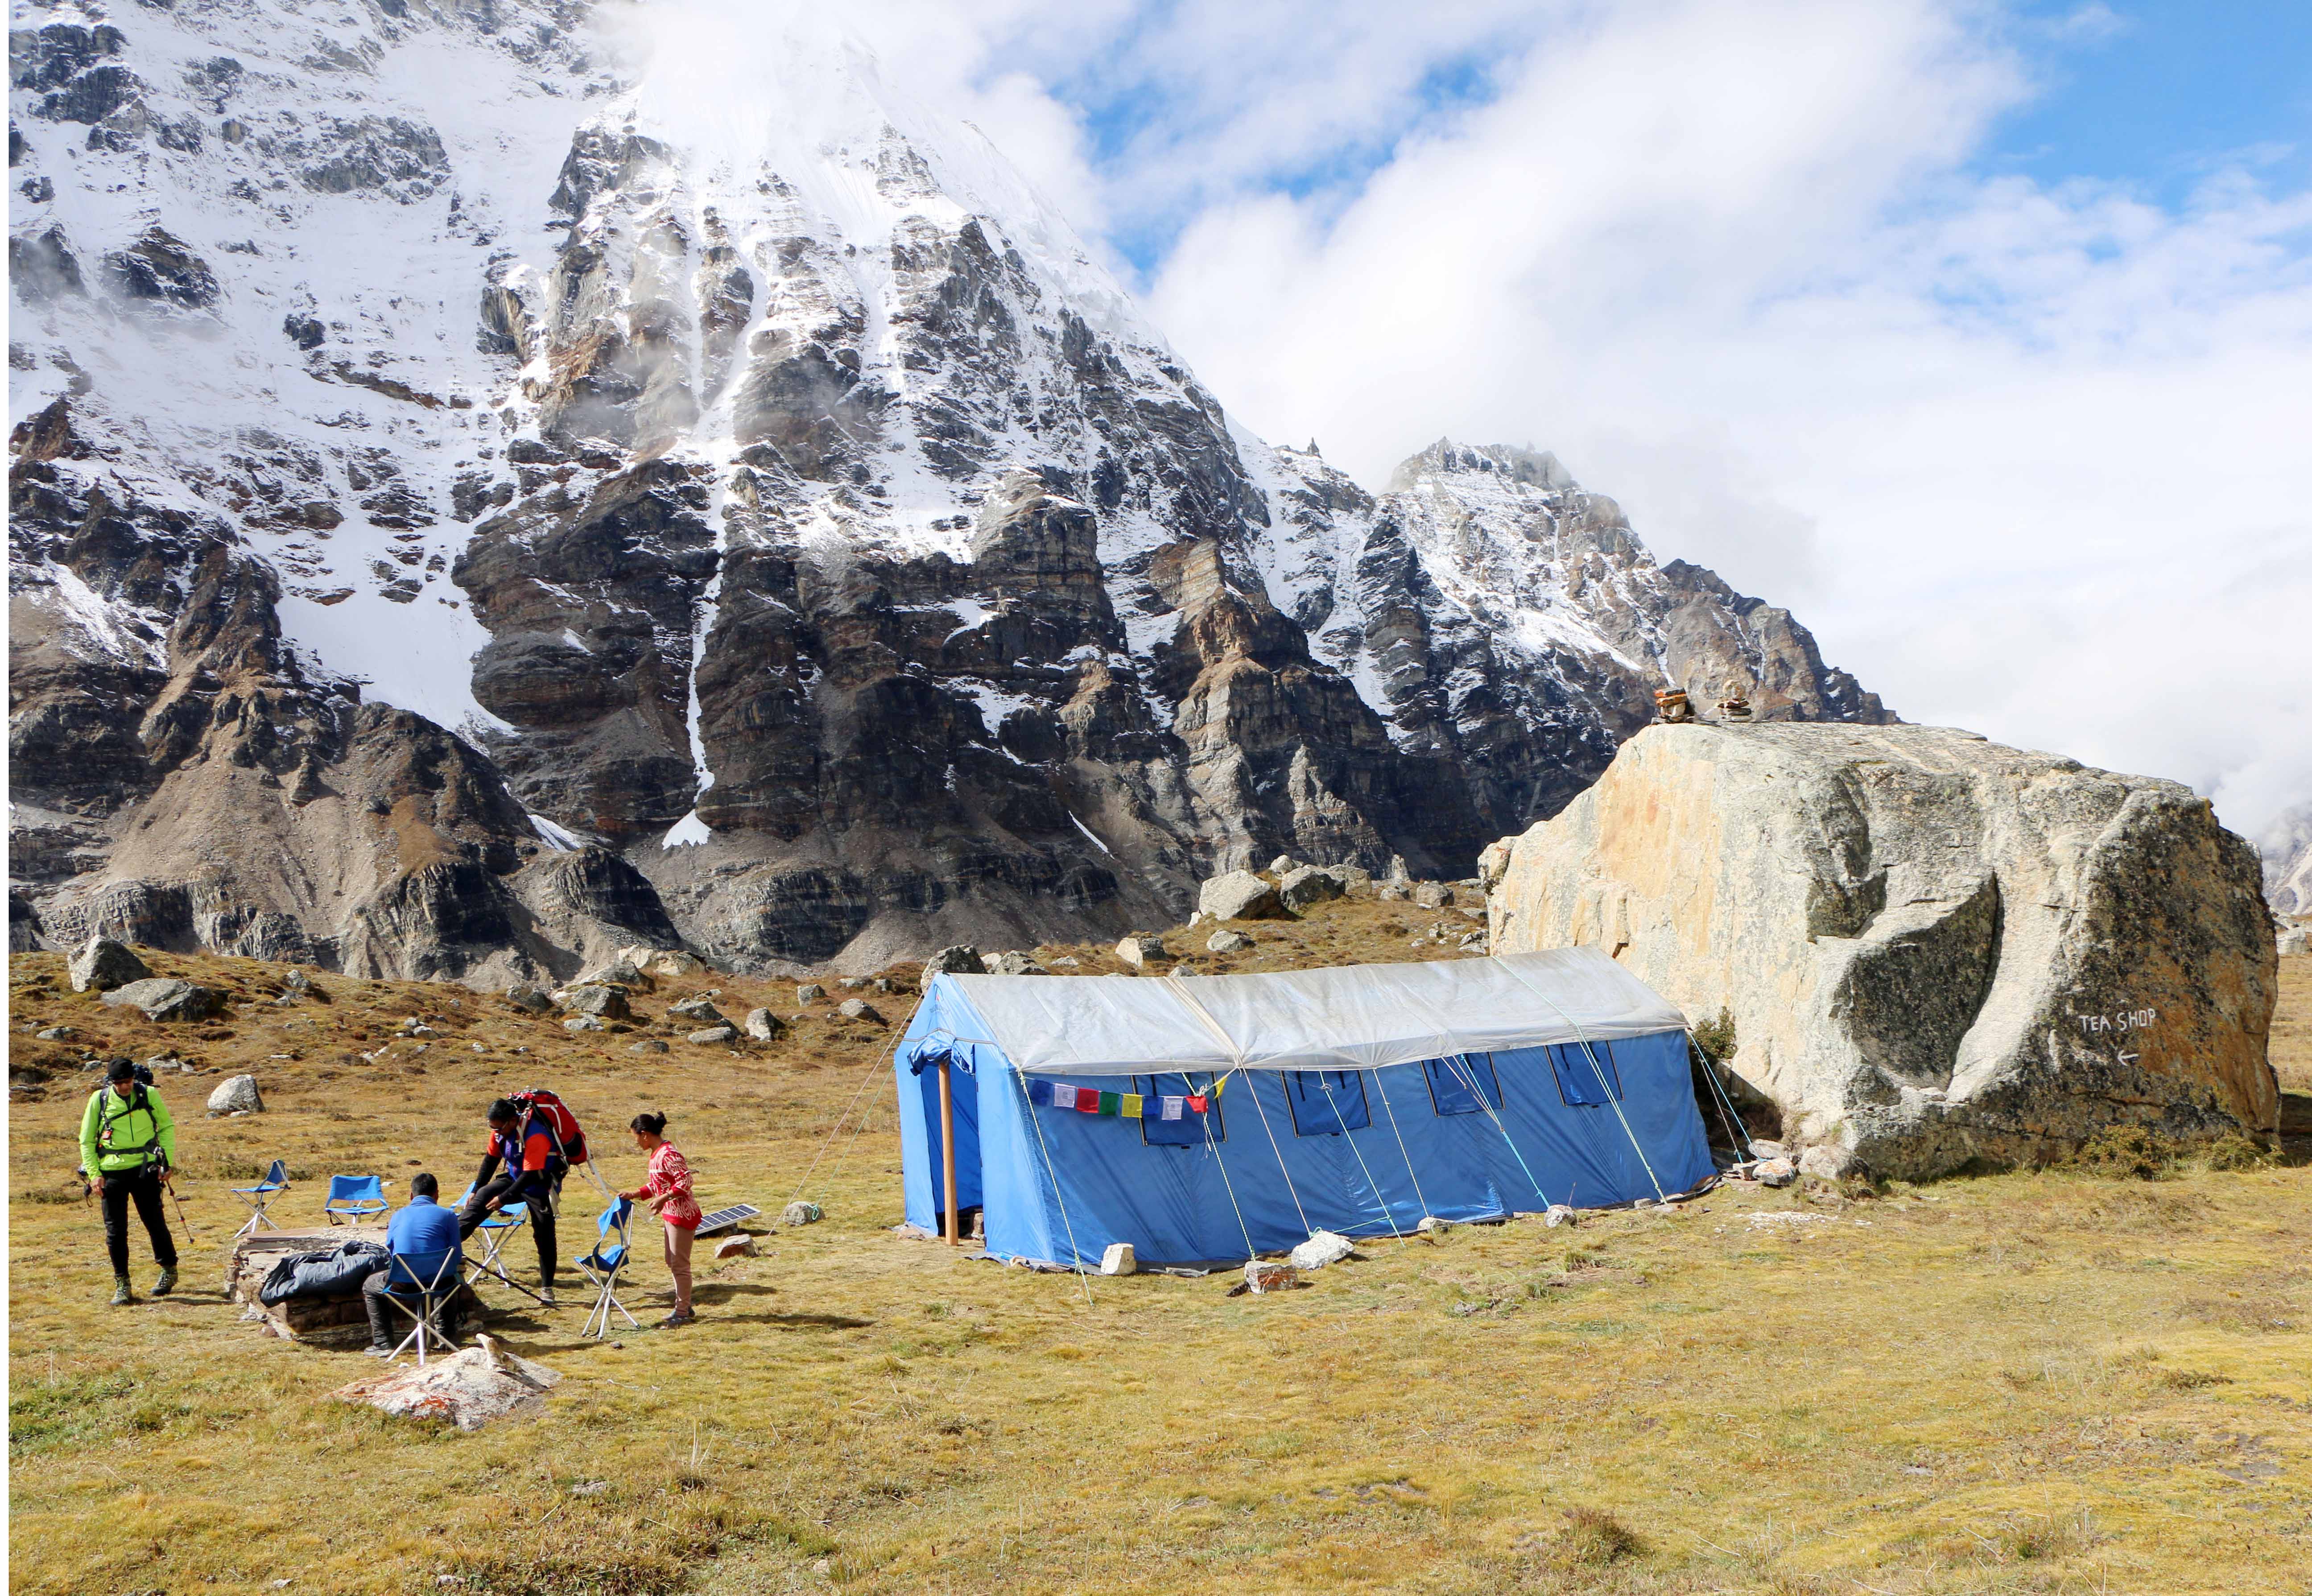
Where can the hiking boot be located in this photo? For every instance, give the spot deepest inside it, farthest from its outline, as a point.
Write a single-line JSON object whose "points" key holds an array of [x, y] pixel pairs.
{"points": [[378, 1352], [167, 1283], [546, 1296], [121, 1295], [679, 1317]]}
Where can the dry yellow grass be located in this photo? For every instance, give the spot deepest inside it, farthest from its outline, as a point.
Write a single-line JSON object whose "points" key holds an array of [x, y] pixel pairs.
{"points": [[2023, 1382]]}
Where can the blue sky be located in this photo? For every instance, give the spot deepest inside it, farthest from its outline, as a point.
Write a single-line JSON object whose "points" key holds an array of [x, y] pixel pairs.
{"points": [[2154, 94]]}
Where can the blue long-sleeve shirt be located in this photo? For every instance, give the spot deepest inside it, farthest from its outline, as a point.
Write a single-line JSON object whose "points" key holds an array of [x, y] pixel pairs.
{"points": [[419, 1236]]}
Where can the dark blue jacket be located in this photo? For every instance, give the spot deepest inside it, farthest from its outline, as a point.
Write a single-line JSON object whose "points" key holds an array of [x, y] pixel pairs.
{"points": [[418, 1236]]}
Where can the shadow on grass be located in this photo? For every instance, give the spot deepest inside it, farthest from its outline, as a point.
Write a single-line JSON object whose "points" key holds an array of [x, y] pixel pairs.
{"points": [[794, 1321], [724, 1293]]}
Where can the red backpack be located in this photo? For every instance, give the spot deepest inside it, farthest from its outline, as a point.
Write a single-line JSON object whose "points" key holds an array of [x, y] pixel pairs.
{"points": [[559, 1120]]}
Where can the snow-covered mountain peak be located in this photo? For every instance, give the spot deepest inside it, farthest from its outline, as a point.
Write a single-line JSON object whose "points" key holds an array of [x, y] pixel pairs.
{"points": [[1446, 460]]}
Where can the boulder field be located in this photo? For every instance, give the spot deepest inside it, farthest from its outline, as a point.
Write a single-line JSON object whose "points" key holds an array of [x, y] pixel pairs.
{"points": [[1934, 949]]}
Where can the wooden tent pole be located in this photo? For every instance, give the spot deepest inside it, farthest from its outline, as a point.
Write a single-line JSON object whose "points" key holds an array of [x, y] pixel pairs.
{"points": [[947, 1154]]}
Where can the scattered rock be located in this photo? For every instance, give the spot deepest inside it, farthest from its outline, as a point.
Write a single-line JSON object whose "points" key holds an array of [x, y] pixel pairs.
{"points": [[713, 1036], [583, 1022], [735, 1247], [2293, 941], [168, 1000], [649, 1044], [1320, 1250], [765, 1026], [672, 963], [467, 1389], [1558, 1213], [1015, 964], [103, 964], [603, 1003], [1307, 886], [695, 1009], [1136, 951], [1775, 1172], [1066, 961], [1240, 895], [962, 961], [810, 993], [528, 998], [238, 1095], [1392, 892], [1431, 1225], [1228, 942], [1432, 895], [1762, 1148], [1262, 1276], [55, 1033], [800, 1212], [1826, 1163], [1184, 969], [859, 1008], [1118, 1259]]}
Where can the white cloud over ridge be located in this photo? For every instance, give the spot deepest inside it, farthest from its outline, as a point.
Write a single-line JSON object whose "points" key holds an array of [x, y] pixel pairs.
{"points": [[2029, 458]]}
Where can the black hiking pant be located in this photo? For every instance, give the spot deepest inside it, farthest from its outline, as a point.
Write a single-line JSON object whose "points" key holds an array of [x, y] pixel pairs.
{"points": [[145, 1190], [537, 1194]]}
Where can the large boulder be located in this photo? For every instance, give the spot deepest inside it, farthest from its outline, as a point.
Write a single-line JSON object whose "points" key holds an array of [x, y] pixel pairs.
{"points": [[1307, 886], [964, 960], [1138, 951], [602, 1002], [1934, 949], [1240, 895], [168, 999], [102, 964]]}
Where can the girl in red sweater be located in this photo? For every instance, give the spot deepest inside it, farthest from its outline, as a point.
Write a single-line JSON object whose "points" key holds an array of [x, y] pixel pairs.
{"points": [[667, 1192]]}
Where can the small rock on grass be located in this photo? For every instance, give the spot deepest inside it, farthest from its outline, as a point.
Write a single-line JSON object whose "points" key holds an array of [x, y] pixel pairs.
{"points": [[713, 1036], [1320, 1250], [695, 1009], [859, 1008], [1262, 1276], [1775, 1172], [582, 1022], [810, 993], [801, 1213], [238, 1095], [1228, 942], [648, 1045], [764, 1025], [735, 1247]]}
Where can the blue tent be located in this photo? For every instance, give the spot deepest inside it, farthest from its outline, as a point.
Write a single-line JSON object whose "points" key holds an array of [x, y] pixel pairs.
{"points": [[1207, 1118]]}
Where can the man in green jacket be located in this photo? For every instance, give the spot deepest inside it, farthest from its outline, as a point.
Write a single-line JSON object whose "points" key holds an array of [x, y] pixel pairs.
{"points": [[128, 1147]]}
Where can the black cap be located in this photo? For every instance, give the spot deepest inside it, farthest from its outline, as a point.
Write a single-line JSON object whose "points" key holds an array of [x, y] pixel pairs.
{"points": [[120, 1070]]}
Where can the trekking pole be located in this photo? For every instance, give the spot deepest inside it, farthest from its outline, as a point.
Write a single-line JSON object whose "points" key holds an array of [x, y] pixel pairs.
{"points": [[170, 1187]]}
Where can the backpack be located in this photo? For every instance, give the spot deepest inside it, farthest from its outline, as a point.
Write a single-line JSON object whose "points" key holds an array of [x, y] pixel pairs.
{"points": [[559, 1120]]}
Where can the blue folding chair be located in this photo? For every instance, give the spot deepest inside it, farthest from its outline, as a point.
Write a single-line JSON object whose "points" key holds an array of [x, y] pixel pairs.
{"points": [[496, 1230], [354, 1197], [601, 1267], [422, 1294], [274, 1182]]}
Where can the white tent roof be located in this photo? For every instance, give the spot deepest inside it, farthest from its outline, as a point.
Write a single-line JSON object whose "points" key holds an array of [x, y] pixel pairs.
{"points": [[1356, 1016]]}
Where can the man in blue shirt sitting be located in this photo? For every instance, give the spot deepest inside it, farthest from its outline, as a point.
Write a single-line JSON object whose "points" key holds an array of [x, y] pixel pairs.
{"points": [[419, 1237]]}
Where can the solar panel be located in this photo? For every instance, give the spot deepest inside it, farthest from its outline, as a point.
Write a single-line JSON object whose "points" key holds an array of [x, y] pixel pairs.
{"points": [[723, 1219]]}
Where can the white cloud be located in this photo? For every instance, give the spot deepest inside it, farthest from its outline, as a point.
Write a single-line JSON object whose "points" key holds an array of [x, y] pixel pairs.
{"points": [[2028, 459]]}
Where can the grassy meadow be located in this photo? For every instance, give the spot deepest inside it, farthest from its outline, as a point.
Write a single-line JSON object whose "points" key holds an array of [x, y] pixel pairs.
{"points": [[2049, 1381]]}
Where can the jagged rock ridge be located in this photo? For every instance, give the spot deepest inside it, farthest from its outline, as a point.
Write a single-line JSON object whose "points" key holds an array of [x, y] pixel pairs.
{"points": [[460, 528]]}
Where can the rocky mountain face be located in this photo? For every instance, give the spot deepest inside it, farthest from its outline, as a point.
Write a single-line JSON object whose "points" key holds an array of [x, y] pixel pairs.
{"points": [[460, 527], [2287, 850], [1934, 949]]}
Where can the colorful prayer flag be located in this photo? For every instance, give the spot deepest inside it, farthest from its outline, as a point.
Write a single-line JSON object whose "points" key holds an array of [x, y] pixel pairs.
{"points": [[1111, 1103], [1086, 1100], [1132, 1103], [1197, 1102], [1171, 1107]]}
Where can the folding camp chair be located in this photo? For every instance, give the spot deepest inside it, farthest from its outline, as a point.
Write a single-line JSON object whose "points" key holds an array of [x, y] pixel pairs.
{"points": [[495, 1231], [354, 1197], [274, 1181], [601, 1267], [423, 1300]]}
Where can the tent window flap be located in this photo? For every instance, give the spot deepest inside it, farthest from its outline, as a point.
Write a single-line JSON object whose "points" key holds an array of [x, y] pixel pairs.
{"points": [[1327, 1102], [1456, 1082], [1579, 1067]]}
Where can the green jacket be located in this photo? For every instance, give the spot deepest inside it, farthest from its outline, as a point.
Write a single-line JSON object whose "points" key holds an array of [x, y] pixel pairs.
{"points": [[115, 1131]]}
